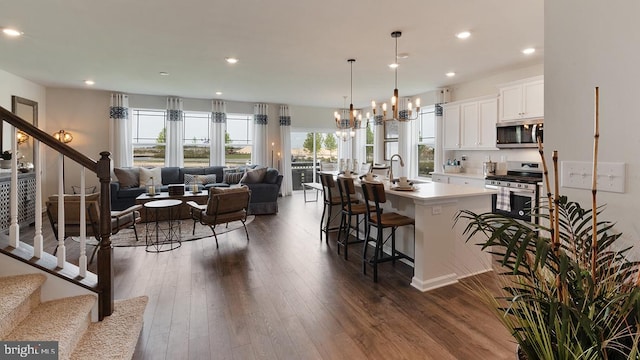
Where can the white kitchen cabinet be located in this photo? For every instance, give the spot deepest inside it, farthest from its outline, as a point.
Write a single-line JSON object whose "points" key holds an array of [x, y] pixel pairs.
{"points": [[522, 99], [459, 180], [440, 178], [471, 125], [478, 124], [451, 126]]}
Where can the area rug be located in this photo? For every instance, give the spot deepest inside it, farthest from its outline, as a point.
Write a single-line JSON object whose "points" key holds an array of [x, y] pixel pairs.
{"points": [[126, 237]]}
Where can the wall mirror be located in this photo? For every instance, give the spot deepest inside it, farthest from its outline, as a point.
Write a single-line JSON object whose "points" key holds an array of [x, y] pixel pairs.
{"points": [[27, 110]]}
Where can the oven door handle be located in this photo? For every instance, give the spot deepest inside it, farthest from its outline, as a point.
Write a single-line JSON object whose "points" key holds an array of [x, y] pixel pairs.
{"points": [[513, 190]]}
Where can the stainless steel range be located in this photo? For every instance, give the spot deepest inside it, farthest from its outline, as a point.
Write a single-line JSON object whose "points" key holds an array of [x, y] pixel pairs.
{"points": [[518, 190]]}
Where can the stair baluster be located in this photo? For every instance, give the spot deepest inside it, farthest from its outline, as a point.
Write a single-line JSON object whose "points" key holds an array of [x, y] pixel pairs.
{"points": [[38, 240]]}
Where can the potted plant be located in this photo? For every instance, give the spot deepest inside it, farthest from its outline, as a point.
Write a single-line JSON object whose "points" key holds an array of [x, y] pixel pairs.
{"points": [[5, 163], [569, 291]]}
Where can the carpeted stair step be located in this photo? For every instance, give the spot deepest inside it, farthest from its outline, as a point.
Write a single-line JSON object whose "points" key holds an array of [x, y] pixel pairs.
{"points": [[20, 294], [116, 336], [63, 320]]}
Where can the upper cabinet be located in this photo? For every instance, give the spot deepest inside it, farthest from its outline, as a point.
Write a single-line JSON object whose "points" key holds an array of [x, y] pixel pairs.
{"points": [[470, 125], [523, 99], [451, 126]]}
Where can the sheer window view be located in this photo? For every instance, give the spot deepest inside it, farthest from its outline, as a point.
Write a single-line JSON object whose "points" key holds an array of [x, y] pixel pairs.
{"points": [[149, 135], [196, 138], [426, 142], [238, 139], [308, 150], [369, 145]]}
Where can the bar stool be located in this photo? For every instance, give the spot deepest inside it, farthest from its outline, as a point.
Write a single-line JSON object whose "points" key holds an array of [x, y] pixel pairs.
{"points": [[374, 192], [350, 208], [331, 199]]}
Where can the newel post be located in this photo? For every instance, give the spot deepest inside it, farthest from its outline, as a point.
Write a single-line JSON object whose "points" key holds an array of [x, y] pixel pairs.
{"points": [[105, 265]]}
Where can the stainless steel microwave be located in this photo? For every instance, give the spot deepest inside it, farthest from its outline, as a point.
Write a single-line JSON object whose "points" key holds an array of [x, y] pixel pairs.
{"points": [[519, 134]]}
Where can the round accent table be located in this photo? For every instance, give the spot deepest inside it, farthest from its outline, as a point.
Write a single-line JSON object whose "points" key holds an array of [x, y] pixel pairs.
{"points": [[164, 233]]}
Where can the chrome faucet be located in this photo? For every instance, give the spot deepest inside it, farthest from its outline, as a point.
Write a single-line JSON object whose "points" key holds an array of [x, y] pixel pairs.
{"points": [[391, 166]]}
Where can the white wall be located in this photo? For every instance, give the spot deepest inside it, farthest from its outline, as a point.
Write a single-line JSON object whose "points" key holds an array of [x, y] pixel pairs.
{"points": [[84, 113], [14, 85], [587, 44]]}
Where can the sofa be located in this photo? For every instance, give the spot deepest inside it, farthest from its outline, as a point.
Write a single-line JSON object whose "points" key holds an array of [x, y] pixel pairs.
{"points": [[265, 189]]}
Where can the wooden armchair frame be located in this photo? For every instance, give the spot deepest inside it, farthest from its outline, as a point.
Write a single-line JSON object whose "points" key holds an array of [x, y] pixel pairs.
{"points": [[223, 207], [124, 219]]}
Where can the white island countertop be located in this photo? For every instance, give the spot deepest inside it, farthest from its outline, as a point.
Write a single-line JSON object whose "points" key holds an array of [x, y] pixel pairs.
{"points": [[441, 254], [440, 191]]}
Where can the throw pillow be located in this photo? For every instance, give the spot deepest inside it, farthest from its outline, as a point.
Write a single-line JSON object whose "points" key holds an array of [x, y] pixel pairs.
{"points": [[232, 178], [127, 177], [147, 174], [254, 176], [190, 179]]}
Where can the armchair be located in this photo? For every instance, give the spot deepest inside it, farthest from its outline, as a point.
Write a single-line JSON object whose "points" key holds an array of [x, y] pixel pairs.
{"points": [[119, 219], [223, 207]]}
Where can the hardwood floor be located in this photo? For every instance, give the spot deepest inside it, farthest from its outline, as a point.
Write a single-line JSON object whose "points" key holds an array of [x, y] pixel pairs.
{"points": [[286, 295]]}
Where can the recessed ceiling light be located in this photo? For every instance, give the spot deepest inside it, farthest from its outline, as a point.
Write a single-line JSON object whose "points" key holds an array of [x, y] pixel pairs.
{"points": [[231, 60], [89, 82], [163, 73], [394, 65], [11, 32], [450, 74], [463, 35], [218, 93], [528, 51]]}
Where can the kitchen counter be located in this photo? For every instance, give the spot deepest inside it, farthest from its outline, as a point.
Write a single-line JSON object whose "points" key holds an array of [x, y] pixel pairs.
{"points": [[440, 252]]}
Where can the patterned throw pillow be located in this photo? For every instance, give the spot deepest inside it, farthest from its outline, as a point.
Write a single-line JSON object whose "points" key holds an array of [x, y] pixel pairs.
{"points": [[190, 179], [232, 178]]}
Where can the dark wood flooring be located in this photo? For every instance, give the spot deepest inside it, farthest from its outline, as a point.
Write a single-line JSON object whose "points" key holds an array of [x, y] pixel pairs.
{"points": [[286, 295]]}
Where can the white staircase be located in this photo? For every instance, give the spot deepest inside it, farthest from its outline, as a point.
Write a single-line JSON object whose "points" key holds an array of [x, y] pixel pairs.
{"points": [[23, 317]]}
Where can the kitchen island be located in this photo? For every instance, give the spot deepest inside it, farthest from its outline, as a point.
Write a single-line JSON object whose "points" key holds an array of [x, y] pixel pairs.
{"points": [[441, 255]]}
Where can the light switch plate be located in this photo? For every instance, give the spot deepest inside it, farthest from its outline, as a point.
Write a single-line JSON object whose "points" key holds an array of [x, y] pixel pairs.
{"points": [[578, 174]]}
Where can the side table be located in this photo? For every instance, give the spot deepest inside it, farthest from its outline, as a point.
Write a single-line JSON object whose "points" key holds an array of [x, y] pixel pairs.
{"points": [[162, 238]]}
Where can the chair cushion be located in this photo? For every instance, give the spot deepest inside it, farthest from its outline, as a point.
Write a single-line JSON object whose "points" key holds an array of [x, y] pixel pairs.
{"points": [[235, 199], [171, 175], [393, 220], [128, 177]]}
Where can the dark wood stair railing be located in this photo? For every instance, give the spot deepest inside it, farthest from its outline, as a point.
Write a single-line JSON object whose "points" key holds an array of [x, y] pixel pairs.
{"points": [[102, 168]]}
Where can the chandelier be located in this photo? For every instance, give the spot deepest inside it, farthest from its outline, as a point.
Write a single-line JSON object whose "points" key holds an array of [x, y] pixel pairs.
{"points": [[349, 120], [399, 115]]}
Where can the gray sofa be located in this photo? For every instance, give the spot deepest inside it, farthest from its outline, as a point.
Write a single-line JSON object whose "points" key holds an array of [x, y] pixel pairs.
{"points": [[264, 195]]}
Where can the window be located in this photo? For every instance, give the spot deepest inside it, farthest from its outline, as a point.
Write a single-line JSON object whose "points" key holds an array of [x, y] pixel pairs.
{"points": [[369, 143], [196, 138], [149, 137], [239, 139], [426, 141]]}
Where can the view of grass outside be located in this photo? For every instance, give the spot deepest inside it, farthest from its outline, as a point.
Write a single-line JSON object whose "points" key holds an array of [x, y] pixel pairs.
{"points": [[425, 160], [369, 145], [426, 141], [149, 138]]}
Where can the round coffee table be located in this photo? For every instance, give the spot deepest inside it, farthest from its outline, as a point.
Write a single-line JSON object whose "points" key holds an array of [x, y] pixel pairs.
{"points": [[159, 236]]}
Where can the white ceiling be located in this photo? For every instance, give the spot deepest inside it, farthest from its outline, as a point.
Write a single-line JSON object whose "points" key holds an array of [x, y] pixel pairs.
{"points": [[292, 52]]}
